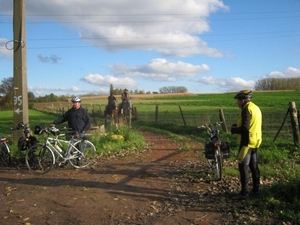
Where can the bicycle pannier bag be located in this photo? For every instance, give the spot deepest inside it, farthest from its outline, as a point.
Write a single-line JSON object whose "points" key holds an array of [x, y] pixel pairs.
{"points": [[209, 150], [22, 144], [225, 149]]}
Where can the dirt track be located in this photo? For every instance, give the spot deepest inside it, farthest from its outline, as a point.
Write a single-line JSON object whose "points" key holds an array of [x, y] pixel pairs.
{"points": [[152, 187]]}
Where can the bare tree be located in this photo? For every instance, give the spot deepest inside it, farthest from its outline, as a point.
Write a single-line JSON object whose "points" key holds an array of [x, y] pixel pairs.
{"points": [[6, 87], [278, 84]]}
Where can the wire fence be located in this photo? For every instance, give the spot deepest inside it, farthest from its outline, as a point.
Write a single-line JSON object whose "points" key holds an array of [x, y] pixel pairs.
{"points": [[189, 116]]}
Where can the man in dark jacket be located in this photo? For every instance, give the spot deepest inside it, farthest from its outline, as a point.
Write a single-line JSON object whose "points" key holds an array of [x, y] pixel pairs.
{"points": [[77, 117]]}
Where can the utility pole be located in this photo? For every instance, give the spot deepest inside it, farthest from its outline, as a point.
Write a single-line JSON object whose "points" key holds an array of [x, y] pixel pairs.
{"points": [[20, 66]]}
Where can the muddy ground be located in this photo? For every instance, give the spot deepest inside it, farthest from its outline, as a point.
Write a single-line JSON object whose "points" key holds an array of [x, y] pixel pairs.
{"points": [[161, 185]]}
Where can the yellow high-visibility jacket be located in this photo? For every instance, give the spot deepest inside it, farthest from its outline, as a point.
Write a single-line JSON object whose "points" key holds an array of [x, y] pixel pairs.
{"points": [[249, 126]]}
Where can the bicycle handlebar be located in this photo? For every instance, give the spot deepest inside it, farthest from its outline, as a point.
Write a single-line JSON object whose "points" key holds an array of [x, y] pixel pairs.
{"points": [[218, 123]]}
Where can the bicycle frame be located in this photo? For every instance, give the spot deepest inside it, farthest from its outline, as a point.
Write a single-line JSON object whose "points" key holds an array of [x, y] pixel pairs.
{"points": [[71, 146], [41, 157], [213, 151]]}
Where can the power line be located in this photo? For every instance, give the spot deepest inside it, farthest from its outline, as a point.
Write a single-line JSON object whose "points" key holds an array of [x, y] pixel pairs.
{"points": [[157, 43], [156, 14], [161, 36], [157, 21]]}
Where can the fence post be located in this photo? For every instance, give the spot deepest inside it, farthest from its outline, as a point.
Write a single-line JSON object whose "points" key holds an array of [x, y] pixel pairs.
{"points": [[222, 118], [287, 113], [294, 122], [182, 116], [156, 113], [135, 113]]}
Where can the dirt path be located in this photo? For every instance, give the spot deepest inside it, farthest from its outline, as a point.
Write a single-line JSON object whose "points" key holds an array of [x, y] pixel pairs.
{"points": [[152, 187]]}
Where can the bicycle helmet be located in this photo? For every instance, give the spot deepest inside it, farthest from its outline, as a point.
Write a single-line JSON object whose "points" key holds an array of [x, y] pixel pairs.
{"points": [[76, 99], [244, 94]]}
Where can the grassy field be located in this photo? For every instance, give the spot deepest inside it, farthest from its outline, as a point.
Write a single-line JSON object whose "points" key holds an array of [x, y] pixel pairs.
{"points": [[279, 160]]}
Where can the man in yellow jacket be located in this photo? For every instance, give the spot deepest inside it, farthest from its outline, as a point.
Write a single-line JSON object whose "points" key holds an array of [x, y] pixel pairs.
{"points": [[249, 131]]}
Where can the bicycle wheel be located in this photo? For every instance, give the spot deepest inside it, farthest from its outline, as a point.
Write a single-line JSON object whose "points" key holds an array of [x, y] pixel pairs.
{"points": [[83, 154], [39, 159], [5, 154], [219, 166]]}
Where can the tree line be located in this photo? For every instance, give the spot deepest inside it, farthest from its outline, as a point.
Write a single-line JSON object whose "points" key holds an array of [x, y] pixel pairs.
{"points": [[271, 84], [7, 94], [266, 84]]}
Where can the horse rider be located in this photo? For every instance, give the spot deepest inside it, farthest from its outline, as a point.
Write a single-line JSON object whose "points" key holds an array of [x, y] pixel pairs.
{"points": [[111, 101], [125, 97]]}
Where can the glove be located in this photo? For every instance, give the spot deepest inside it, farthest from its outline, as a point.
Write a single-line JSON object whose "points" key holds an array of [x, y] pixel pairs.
{"points": [[233, 128], [242, 154], [82, 134]]}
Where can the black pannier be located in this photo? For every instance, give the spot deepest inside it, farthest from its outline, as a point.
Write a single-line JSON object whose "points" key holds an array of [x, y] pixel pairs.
{"points": [[26, 143], [225, 149], [209, 150]]}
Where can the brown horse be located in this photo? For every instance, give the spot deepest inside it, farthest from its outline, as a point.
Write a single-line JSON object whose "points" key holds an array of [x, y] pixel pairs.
{"points": [[126, 113], [111, 114]]}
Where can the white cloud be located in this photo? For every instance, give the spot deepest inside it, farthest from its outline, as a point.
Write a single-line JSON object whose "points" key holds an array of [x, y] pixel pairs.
{"points": [[5, 52], [160, 70], [106, 81], [170, 27], [287, 73], [41, 91], [227, 84]]}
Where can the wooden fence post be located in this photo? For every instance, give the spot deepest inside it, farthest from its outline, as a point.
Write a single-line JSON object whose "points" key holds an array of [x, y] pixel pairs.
{"points": [[135, 113], [156, 113], [287, 113], [294, 122], [182, 116], [222, 118]]}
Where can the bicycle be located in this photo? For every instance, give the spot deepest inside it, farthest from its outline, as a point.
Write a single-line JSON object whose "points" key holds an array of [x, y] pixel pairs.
{"points": [[5, 158], [215, 150], [27, 140], [41, 158]]}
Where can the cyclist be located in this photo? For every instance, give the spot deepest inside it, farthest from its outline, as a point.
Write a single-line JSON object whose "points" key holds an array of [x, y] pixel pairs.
{"points": [[78, 118], [249, 130]]}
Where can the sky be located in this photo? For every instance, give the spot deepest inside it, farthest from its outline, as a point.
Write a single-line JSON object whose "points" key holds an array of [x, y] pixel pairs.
{"points": [[78, 47]]}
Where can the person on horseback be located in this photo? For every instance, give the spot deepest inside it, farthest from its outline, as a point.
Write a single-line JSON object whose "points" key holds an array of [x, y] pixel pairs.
{"points": [[125, 97], [111, 102], [111, 99]]}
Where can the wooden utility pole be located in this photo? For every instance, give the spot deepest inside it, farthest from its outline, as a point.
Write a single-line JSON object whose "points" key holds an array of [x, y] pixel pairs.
{"points": [[20, 65]]}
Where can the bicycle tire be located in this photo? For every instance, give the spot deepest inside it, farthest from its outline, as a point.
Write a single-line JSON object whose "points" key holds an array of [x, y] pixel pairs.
{"points": [[5, 154], [219, 167], [39, 159], [85, 154]]}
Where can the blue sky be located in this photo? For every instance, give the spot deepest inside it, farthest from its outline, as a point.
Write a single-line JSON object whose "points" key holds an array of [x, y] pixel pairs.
{"points": [[76, 47]]}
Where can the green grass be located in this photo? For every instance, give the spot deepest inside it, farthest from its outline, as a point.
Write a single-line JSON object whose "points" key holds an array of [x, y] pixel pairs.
{"points": [[278, 160], [104, 144]]}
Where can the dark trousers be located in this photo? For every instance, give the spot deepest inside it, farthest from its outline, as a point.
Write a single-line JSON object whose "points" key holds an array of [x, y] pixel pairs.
{"points": [[250, 161]]}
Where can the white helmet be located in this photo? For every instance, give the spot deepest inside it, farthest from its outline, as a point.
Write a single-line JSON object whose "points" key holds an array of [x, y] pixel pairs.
{"points": [[76, 99]]}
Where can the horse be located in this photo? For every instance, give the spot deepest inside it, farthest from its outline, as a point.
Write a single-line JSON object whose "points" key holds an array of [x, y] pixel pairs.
{"points": [[111, 114], [126, 112]]}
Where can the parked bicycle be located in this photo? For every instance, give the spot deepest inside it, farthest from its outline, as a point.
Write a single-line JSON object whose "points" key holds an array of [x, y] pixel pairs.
{"points": [[76, 150], [215, 150], [27, 140], [5, 158]]}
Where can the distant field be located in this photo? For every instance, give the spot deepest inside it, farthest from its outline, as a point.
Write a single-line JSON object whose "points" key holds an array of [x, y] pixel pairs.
{"points": [[196, 109]]}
